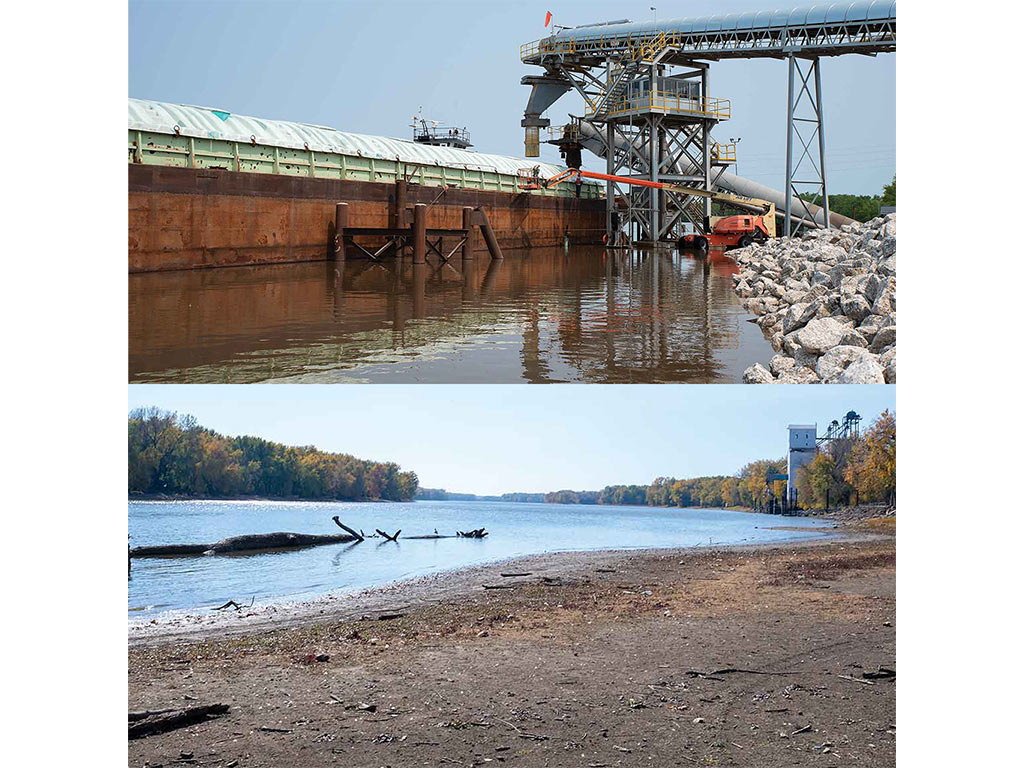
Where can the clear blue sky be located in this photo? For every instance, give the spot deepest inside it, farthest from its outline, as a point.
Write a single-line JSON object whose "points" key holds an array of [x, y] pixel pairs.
{"points": [[492, 439], [367, 66]]}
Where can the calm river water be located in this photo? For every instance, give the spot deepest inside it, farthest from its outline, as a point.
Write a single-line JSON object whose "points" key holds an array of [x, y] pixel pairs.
{"points": [[161, 584], [546, 316]]}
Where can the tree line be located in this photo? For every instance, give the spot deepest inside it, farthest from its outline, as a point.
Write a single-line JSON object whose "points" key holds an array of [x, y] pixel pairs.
{"points": [[173, 455], [857, 207], [848, 471], [746, 489]]}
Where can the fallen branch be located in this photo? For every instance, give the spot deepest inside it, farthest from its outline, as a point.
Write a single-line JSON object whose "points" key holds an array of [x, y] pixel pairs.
{"points": [[386, 536], [161, 721], [236, 605], [523, 573], [347, 530], [882, 673], [732, 670], [855, 679], [523, 734], [477, 533]]}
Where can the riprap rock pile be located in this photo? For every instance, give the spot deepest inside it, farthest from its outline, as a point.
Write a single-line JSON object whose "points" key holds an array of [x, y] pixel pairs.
{"points": [[827, 303]]}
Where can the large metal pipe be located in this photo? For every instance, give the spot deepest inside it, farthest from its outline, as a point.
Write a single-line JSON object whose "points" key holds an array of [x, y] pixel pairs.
{"points": [[591, 139]]}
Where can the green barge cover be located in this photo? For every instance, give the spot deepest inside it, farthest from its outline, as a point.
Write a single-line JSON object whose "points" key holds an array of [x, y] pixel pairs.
{"points": [[185, 136]]}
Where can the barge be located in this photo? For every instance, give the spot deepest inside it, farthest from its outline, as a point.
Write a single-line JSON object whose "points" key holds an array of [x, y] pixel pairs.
{"points": [[209, 188]]}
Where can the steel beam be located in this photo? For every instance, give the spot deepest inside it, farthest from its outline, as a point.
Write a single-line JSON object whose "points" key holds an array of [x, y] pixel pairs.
{"points": [[805, 127]]}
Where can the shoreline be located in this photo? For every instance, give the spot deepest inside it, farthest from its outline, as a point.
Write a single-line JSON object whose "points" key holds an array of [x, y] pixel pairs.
{"points": [[838, 514], [189, 625], [296, 499], [769, 655]]}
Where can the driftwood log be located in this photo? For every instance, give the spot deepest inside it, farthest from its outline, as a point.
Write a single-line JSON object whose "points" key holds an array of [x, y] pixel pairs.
{"points": [[256, 542], [263, 542], [142, 724]]}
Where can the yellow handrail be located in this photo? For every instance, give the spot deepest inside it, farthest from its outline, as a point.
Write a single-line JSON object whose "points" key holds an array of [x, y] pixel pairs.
{"points": [[724, 153], [684, 105], [641, 46]]}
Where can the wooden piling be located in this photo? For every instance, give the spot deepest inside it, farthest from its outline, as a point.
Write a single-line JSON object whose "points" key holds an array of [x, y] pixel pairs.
{"points": [[401, 195], [467, 224], [419, 234], [419, 290], [398, 218], [340, 223], [489, 237]]}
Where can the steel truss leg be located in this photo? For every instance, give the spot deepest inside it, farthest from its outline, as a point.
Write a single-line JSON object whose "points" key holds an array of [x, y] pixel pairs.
{"points": [[651, 147], [817, 182]]}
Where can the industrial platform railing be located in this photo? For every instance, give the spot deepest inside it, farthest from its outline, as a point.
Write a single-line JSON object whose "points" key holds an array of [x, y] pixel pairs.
{"points": [[719, 109], [723, 153]]}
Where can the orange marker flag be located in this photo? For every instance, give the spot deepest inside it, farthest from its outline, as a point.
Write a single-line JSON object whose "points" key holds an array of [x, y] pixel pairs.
{"points": [[547, 19]]}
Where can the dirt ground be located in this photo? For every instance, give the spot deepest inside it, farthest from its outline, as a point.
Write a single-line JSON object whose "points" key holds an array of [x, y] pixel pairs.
{"points": [[748, 657]]}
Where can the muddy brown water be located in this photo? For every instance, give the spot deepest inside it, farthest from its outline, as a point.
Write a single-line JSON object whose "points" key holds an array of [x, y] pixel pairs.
{"points": [[538, 316]]}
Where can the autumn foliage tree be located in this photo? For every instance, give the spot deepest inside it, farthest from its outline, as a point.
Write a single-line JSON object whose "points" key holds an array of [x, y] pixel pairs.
{"points": [[860, 469], [871, 465], [815, 482], [173, 455]]}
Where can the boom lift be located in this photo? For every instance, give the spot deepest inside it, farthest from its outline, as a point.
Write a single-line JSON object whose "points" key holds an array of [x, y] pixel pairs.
{"points": [[756, 223]]}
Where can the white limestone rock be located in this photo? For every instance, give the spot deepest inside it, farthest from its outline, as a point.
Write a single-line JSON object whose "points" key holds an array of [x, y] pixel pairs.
{"points": [[888, 362], [799, 375], [855, 306], [798, 316], [850, 365], [885, 337], [757, 374], [779, 364], [819, 336]]}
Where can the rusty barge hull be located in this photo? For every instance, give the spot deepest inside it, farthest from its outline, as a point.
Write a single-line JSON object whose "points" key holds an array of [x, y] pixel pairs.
{"points": [[184, 218], [210, 188]]}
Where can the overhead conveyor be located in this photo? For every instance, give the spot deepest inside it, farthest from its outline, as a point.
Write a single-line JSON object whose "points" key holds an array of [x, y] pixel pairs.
{"points": [[649, 112]]}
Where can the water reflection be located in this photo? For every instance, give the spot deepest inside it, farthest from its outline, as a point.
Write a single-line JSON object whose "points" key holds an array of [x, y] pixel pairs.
{"points": [[547, 316]]}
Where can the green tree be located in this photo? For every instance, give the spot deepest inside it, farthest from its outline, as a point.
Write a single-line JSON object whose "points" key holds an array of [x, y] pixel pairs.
{"points": [[172, 454], [889, 193]]}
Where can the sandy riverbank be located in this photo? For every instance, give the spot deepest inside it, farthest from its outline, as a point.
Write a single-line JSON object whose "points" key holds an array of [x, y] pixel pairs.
{"points": [[591, 660]]}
